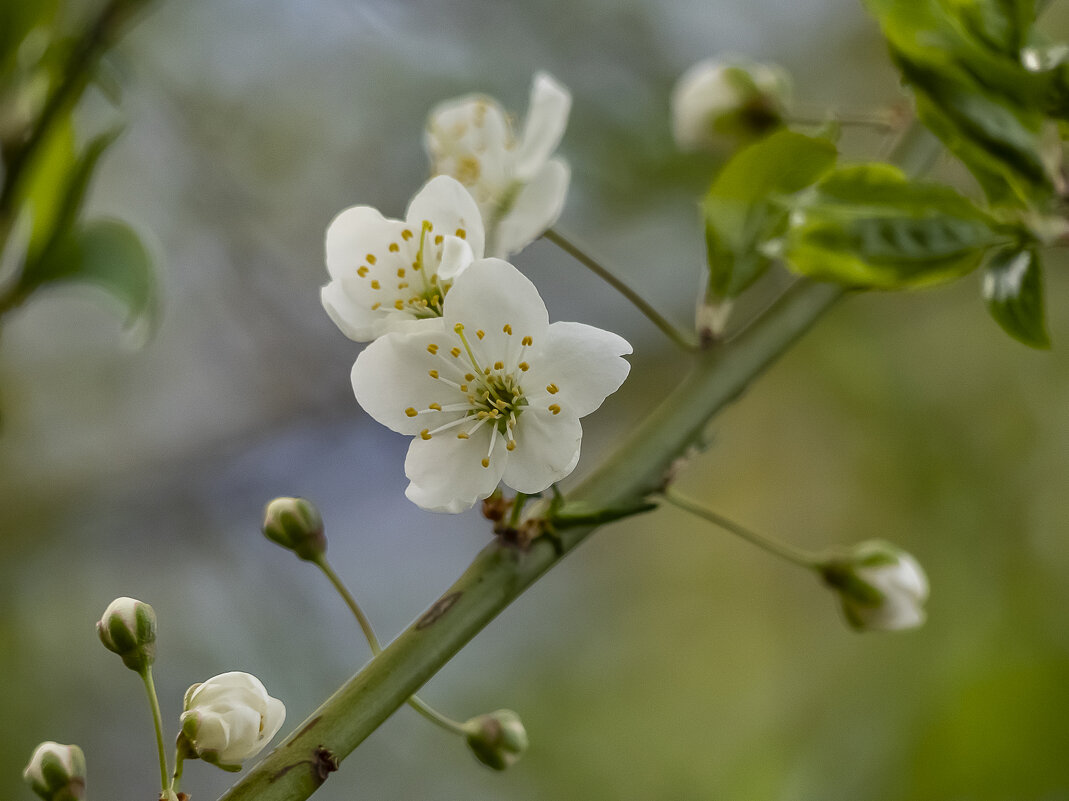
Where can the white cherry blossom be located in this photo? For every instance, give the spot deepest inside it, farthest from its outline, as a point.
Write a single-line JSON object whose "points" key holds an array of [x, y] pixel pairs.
{"points": [[386, 273], [492, 392], [881, 587], [519, 188]]}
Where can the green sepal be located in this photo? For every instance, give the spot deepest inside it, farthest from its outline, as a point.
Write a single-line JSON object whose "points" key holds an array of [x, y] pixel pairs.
{"points": [[868, 226], [744, 207], [1013, 293]]}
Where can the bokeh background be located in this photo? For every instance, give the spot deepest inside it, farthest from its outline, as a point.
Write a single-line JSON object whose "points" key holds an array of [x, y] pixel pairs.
{"points": [[664, 660]]}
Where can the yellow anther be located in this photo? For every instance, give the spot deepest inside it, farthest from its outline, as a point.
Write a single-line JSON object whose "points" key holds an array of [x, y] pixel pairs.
{"points": [[480, 333], [459, 328], [511, 445], [406, 234], [507, 329], [464, 388], [399, 304], [417, 266], [370, 258], [455, 352], [361, 271], [462, 435], [552, 389], [375, 305], [436, 406], [404, 285], [438, 239], [468, 170], [469, 376], [394, 247], [432, 348], [432, 373], [554, 408], [527, 341], [499, 365], [375, 284], [428, 225], [486, 461], [525, 366], [411, 412], [400, 272], [425, 434], [434, 281], [462, 233]]}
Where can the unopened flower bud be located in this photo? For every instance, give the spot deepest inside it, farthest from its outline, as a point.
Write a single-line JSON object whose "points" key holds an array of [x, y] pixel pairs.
{"points": [[717, 103], [57, 772], [228, 719], [294, 523], [497, 739], [128, 627], [881, 587]]}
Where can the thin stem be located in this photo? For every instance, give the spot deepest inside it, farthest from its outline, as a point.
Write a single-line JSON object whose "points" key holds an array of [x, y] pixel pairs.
{"points": [[684, 341], [421, 706], [179, 763], [775, 547], [517, 509], [880, 121], [350, 601], [157, 720]]}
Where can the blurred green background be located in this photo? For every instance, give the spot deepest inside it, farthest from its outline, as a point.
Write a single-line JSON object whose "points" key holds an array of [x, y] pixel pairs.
{"points": [[664, 661]]}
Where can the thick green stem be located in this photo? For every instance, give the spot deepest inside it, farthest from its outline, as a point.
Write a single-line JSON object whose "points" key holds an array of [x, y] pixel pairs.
{"points": [[501, 572]]}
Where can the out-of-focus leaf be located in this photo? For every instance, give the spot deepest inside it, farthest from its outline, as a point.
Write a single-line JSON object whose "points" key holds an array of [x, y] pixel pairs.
{"points": [[744, 207], [869, 226], [1013, 292], [80, 177], [963, 61], [17, 19], [106, 253], [47, 182]]}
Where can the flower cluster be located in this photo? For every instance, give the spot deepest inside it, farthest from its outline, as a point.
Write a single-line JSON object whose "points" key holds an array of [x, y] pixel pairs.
{"points": [[463, 357]]}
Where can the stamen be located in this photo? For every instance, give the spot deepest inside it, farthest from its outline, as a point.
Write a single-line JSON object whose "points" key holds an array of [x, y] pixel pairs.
{"points": [[399, 304], [459, 329], [527, 341], [425, 434], [436, 406], [411, 412], [499, 365], [375, 284], [507, 329], [403, 285], [454, 352], [493, 442], [554, 408], [480, 333], [370, 258], [400, 272], [552, 389], [432, 373], [449, 425], [432, 348], [406, 234], [375, 306], [362, 270], [438, 239], [394, 247], [524, 366], [462, 233]]}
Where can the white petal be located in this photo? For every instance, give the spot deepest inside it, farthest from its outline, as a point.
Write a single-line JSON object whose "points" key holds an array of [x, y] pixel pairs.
{"points": [[535, 208], [356, 320], [274, 717], [456, 257], [446, 473], [583, 362], [547, 450], [490, 295], [353, 234], [392, 375], [444, 202], [547, 117]]}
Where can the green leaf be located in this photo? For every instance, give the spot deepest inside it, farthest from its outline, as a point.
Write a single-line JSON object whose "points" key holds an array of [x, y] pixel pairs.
{"points": [[106, 253], [869, 226], [1013, 292], [962, 58], [745, 206], [17, 19]]}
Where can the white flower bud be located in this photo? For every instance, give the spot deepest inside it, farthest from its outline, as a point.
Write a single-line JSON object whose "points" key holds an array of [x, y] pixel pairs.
{"points": [[497, 739], [717, 103], [229, 718], [881, 587], [57, 772], [128, 627], [295, 524]]}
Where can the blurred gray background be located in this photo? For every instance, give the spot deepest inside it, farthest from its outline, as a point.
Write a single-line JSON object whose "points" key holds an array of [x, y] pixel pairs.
{"points": [[664, 661]]}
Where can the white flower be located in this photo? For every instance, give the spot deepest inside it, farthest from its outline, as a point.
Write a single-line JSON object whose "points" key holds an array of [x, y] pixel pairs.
{"points": [[128, 628], [386, 273], [881, 587], [519, 188], [492, 392], [717, 100], [56, 772], [230, 718]]}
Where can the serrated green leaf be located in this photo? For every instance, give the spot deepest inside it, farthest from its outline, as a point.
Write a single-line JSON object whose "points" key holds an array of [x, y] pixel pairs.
{"points": [[1013, 292], [869, 226], [105, 253], [962, 58], [744, 206]]}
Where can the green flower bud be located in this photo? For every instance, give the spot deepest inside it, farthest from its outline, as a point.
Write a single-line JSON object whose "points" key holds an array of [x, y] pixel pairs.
{"points": [[881, 587], [128, 627], [57, 772], [497, 739], [294, 523]]}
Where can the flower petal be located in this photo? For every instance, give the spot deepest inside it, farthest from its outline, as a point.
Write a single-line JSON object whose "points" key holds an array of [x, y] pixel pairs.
{"points": [[394, 374], [493, 296], [547, 117], [446, 473], [456, 257], [536, 207], [582, 363], [444, 202], [547, 450]]}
